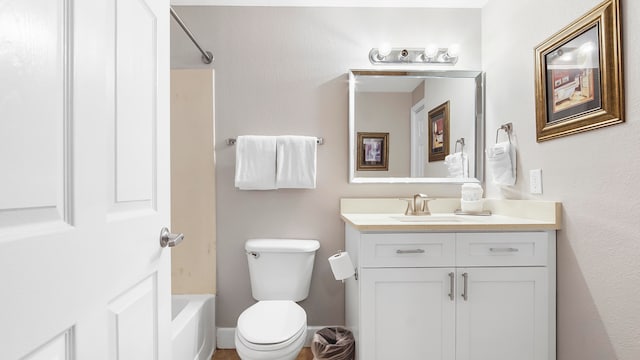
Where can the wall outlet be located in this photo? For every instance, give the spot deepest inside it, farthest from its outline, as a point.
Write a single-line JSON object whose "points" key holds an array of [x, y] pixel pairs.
{"points": [[535, 181]]}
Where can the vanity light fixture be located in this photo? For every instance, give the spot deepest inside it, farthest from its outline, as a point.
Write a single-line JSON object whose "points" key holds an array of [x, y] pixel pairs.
{"points": [[431, 54]]}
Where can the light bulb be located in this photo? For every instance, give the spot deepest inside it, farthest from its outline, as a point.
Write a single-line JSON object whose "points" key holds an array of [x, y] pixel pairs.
{"points": [[587, 47], [454, 50], [431, 51], [383, 50]]}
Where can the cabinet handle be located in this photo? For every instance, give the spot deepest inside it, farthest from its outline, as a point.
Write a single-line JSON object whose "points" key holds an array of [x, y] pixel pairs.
{"points": [[413, 251], [508, 249], [451, 285], [465, 295]]}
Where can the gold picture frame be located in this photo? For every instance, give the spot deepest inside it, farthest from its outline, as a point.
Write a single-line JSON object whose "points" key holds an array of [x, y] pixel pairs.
{"points": [[373, 151], [438, 130], [579, 81]]}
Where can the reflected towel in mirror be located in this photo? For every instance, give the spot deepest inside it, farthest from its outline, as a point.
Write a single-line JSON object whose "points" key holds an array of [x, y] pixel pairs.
{"points": [[457, 165]]}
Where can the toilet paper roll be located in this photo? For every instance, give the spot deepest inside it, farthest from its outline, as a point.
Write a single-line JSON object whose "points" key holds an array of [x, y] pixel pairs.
{"points": [[341, 266]]}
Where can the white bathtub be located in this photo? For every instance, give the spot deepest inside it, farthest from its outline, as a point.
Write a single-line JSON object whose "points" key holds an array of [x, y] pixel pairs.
{"points": [[193, 327]]}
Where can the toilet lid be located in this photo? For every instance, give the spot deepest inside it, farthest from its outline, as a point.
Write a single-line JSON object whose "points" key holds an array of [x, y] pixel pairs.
{"points": [[271, 322]]}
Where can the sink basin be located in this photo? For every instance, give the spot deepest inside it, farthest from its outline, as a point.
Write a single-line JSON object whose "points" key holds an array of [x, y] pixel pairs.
{"points": [[429, 218]]}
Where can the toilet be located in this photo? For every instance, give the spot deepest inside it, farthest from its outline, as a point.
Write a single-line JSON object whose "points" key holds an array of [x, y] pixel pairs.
{"points": [[275, 327]]}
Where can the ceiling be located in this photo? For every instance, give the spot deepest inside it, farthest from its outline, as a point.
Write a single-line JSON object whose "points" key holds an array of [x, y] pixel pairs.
{"points": [[340, 3]]}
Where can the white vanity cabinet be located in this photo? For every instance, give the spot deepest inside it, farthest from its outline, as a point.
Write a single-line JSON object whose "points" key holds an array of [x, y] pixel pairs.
{"points": [[452, 295]]}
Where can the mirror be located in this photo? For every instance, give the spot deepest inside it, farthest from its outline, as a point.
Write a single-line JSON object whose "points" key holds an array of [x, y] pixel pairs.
{"points": [[403, 124]]}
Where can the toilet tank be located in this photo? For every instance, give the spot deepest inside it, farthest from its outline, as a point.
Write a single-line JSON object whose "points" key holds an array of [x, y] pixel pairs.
{"points": [[280, 269]]}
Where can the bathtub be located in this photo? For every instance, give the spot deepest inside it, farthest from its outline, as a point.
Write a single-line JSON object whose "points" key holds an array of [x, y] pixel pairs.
{"points": [[193, 327]]}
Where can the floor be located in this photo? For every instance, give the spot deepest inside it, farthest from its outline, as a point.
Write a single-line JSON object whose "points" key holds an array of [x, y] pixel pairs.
{"points": [[221, 354]]}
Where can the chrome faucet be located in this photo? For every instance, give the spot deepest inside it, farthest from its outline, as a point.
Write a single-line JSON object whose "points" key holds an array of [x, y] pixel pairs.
{"points": [[419, 205]]}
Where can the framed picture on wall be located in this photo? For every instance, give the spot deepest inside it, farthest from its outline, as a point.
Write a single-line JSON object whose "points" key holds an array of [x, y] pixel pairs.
{"points": [[579, 75], [373, 151], [438, 129]]}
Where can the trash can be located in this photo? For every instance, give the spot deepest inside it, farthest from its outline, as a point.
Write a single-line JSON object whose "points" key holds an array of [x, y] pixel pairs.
{"points": [[333, 343]]}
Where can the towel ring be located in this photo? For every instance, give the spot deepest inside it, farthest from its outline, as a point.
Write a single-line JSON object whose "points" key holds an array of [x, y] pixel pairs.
{"points": [[508, 128], [461, 142]]}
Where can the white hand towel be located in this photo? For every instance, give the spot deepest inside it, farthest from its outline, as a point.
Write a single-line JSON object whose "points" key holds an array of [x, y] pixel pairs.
{"points": [[296, 162], [501, 160], [256, 162], [457, 164]]}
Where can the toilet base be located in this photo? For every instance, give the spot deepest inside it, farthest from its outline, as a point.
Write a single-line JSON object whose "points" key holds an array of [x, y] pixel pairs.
{"points": [[287, 353]]}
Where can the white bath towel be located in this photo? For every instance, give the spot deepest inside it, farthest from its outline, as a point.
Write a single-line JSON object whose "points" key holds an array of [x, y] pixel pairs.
{"points": [[256, 162], [501, 160], [296, 162], [457, 164]]}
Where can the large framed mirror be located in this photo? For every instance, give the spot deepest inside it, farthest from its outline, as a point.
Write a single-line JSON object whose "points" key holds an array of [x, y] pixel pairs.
{"points": [[433, 123]]}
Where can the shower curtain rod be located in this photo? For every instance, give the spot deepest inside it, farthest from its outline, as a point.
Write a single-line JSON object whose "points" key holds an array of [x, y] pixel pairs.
{"points": [[207, 56]]}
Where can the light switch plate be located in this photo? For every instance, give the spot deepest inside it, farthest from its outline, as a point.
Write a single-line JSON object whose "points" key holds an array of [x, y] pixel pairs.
{"points": [[535, 181]]}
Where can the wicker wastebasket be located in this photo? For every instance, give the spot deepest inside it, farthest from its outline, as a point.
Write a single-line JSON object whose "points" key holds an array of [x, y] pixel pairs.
{"points": [[333, 343]]}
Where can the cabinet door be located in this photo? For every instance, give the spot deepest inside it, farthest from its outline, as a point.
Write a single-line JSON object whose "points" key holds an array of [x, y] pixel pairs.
{"points": [[407, 314], [502, 314]]}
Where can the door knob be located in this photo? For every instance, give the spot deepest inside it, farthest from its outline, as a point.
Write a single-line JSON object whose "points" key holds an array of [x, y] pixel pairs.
{"points": [[169, 239]]}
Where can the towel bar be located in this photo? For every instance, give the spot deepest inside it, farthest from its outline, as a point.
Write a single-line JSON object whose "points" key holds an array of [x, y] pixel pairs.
{"points": [[232, 141]]}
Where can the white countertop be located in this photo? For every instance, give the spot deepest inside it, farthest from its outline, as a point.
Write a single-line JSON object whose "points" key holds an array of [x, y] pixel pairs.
{"points": [[386, 214]]}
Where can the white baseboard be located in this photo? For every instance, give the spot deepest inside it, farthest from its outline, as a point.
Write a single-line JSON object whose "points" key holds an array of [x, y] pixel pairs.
{"points": [[226, 336], [311, 330]]}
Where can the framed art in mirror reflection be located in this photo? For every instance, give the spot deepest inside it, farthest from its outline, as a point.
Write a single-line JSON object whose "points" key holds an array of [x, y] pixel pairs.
{"points": [[438, 126], [373, 151]]}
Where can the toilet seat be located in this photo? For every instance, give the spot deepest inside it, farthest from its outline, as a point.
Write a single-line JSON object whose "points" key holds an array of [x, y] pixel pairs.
{"points": [[270, 347], [271, 325], [289, 351]]}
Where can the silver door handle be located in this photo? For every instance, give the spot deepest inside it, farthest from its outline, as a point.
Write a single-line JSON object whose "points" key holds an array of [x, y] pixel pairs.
{"points": [[506, 249], [169, 239], [465, 295], [451, 285], [413, 251]]}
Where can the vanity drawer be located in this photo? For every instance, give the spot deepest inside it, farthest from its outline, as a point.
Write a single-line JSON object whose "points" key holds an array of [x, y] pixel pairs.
{"points": [[408, 250], [502, 249]]}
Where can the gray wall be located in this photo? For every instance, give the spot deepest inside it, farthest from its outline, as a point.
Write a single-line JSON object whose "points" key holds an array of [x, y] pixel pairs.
{"points": [[595, 175], [284, 70]]}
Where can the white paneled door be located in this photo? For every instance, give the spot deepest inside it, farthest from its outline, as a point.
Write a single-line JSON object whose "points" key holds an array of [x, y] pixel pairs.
{"points": [[84, 187], [418, 139]]}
